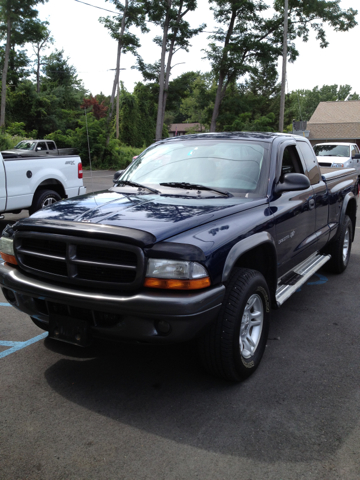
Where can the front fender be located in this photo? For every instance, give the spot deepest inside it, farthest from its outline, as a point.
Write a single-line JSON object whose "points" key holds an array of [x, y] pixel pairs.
{"points": [[244, 246]]}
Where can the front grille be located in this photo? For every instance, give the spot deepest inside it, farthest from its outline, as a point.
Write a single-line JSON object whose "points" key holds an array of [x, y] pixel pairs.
{"points": [[84, 262], [323, 164]]}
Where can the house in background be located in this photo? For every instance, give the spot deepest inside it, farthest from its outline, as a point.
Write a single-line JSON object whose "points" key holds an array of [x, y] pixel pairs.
{"points": [[335, 122], [183, 128]]}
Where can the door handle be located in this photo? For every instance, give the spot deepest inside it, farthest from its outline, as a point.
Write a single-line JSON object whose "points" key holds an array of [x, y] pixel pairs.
{"points": [[311, 203]]}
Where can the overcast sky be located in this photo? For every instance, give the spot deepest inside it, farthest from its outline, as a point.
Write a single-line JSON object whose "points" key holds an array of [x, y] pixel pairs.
{"points": [[76, 30]]}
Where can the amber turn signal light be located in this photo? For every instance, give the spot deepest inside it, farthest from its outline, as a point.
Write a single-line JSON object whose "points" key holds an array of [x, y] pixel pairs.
{"points": [[8, 258], [172, 284]]}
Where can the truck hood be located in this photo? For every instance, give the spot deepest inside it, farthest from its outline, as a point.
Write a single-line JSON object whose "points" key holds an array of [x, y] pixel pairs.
{"points": [[162, 216]]}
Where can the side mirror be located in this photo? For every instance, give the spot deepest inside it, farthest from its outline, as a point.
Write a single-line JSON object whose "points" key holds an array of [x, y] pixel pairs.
{"points": [[38, 148], [117, 175], [356, 156], [292, 182]]}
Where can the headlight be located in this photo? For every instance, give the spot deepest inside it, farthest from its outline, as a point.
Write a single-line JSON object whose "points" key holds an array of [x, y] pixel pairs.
{"points": [[7, 250], [176, 274], [337, 165]]}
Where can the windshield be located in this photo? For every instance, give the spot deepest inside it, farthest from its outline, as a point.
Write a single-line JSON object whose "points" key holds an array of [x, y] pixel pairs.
{"points": [[25, 145], [237, 166], [332, 150]]}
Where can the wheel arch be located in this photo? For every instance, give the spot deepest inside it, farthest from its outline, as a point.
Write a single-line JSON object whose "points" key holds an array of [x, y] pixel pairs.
{"points": [[256, 252], [51, 184], [349, 209]]}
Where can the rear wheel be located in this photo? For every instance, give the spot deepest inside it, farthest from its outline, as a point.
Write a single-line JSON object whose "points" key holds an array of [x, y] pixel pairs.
{"points": [[42, 199], [234, 346], [340, 247]]}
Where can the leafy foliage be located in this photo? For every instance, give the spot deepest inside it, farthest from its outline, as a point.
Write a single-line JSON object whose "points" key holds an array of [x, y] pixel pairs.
{"points": [[301, 104], [99, 109], [248, 39]]}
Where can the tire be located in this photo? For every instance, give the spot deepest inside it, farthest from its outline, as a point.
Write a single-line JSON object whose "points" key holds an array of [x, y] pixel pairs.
{"points": [[340, 247], [225, 350], [42, 199]]}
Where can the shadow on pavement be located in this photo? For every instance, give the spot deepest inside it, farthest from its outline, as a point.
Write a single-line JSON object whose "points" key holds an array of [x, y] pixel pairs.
{"points": [[291, 409]]}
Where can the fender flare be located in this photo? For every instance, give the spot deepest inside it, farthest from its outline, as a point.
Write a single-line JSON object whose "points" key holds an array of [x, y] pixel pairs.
{"points": [[349, 197], [244, 246]]}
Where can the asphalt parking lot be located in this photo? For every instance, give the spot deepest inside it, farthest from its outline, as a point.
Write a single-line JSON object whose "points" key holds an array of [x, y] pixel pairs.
{"points": [[139, 412]]}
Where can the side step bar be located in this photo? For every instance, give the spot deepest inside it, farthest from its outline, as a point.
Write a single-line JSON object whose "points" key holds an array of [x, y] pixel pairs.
{"points": [[299, 276]]}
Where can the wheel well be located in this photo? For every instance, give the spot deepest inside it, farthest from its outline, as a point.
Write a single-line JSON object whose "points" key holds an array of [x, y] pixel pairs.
{"points": [[263, 259], [51, 184], [351, 213]]}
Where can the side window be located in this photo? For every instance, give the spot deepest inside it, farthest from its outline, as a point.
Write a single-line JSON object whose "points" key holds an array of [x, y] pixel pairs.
{"points": [[51, 145], [291, 162], [41, 146], [310, 161]]}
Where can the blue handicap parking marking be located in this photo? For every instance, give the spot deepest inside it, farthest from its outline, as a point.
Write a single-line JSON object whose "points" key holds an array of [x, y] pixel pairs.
{"points": [[322, 279], [15, 346]]}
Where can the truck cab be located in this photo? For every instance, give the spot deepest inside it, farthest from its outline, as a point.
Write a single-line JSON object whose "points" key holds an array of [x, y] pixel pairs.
{"points": [[35, 148]]}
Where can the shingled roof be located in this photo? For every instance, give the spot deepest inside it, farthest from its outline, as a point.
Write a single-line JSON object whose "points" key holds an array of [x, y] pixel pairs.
{"points": [[335, 120]]}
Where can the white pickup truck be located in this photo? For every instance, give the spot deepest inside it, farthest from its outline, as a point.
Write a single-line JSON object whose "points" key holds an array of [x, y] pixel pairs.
{"points": [[31, 183], [338, 155]]}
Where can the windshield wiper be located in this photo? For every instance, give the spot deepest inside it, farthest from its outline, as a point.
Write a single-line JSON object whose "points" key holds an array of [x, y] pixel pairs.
{"points": [[134, 184], [193, 186]]}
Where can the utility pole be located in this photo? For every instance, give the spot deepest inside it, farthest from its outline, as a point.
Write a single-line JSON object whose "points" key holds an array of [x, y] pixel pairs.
{"points": [[284, 63]]}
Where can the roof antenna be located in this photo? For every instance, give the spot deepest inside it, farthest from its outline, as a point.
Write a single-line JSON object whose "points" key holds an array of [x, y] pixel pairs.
{"points": [[88, 142]]}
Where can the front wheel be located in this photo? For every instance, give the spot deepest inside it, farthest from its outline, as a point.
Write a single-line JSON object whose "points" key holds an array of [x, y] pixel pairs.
{"points": [[234, 346], [42, 199]]}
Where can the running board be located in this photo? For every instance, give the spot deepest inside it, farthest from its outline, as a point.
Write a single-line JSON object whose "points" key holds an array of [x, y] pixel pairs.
{"points": [[292, 281]]}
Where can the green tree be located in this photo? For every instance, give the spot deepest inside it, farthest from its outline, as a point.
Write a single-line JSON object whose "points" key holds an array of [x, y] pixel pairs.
{"points": [[131, 13], [301, 104], [198, 103], [44, 41], [58, 72], [60, 80], [146, 118], [129, 119], [18, 66], [251, 39], [19, 18], [176, 35], [181, 88]]}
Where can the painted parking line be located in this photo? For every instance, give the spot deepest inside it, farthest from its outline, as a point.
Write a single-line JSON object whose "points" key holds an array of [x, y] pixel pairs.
{"points": [[15, 346], [322, 279], [5, 305]]}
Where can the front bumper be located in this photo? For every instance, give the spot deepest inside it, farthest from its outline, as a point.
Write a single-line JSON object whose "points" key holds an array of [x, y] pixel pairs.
{"points": [[155, 316]]}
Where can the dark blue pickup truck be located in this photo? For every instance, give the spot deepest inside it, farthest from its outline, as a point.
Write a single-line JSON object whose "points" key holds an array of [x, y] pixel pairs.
{"points": [[200, 237]]}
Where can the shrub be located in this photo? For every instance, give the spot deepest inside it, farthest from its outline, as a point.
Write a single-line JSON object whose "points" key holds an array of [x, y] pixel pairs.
{"points": [[8, 141], [16, 128]]}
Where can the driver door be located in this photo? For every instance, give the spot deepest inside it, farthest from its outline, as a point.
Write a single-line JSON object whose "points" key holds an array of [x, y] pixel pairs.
{"points": [[295, 221]]}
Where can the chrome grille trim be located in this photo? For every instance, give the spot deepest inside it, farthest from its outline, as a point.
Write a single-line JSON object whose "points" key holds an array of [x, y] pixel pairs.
{"points": [[80, 261]]}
